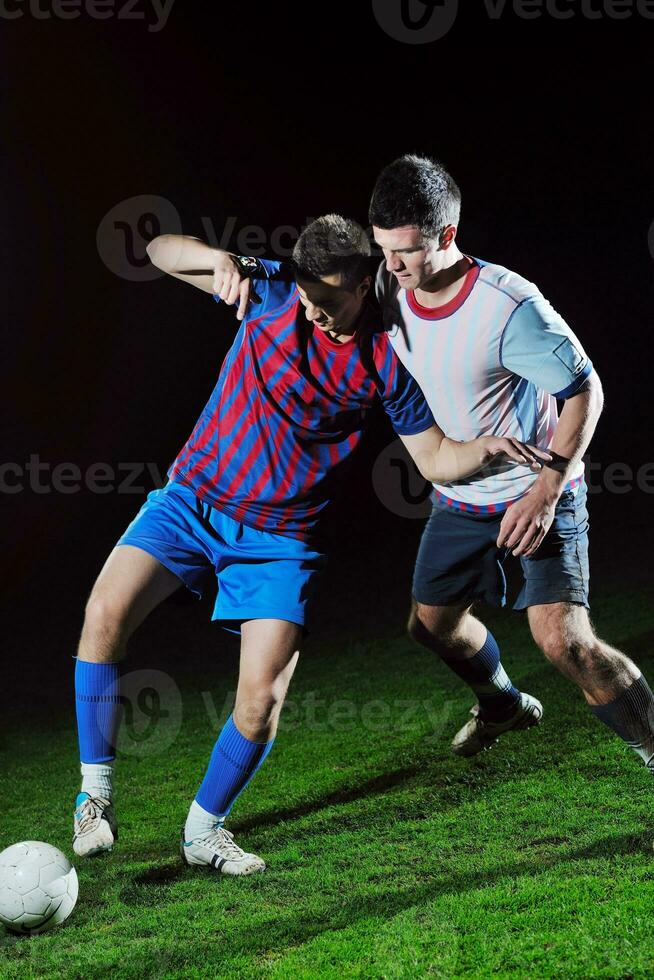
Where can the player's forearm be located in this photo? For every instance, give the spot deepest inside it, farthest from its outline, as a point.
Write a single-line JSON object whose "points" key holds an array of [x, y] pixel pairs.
{"points": [[574, 431], [453, 460], [182, 254]]}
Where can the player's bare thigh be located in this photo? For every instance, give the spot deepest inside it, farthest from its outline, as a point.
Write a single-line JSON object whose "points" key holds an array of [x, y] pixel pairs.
{"points": [[131, 584], [270, 649]]}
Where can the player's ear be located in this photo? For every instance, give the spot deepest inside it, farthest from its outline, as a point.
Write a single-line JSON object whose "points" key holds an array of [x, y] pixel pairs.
{"points": [[364, 286], [447, 237]]}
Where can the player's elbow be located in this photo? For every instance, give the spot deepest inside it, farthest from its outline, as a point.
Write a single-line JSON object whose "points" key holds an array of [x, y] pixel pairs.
{"points": [[159, 251], [427, 465], [596, 393], [431, 473]]}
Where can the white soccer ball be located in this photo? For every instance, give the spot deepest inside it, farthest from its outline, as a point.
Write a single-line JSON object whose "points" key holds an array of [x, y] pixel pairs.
{"points": [[38, 887]]}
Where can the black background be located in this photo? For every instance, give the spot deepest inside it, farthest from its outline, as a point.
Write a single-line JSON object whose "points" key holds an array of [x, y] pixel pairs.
{"points": [[270, 114]]}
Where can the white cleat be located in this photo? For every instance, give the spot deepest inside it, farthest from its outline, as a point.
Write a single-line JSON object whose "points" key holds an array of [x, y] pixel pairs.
{"points": [[478, 735], [95, 827], [216, 850]]}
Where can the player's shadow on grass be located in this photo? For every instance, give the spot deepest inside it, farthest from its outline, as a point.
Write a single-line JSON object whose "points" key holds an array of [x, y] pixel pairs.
{"points": [[434, 769], [370, 787], [301, 926]]}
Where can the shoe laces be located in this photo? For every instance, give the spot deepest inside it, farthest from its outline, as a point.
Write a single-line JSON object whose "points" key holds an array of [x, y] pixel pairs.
{"points": [[222, 840], [90, 811]]}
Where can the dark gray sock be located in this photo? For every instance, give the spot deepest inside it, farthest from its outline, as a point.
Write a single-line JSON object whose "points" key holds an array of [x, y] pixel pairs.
{"points": [[631, 716]]}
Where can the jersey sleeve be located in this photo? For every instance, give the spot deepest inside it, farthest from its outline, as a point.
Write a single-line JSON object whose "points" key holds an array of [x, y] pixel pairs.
{"points": [[270, 271], [537, 344], [402, 397]]}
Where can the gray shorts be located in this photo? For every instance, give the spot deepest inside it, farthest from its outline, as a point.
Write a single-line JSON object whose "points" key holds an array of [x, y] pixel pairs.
{"points": [[459, 561]]}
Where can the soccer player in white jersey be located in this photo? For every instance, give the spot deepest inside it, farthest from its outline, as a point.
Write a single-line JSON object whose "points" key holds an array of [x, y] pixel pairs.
{"points": [[492, 357]]}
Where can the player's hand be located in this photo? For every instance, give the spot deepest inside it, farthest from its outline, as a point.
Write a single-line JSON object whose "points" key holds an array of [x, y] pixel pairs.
{"points": [[516, 451], [526, 523], [230, 284]]}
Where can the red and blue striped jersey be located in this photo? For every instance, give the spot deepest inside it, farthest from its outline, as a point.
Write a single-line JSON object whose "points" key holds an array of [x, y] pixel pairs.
{"points": [[272, 445]]}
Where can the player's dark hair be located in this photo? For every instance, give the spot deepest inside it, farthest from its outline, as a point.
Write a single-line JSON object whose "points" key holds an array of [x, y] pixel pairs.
{"points": [[330, 245], [416, 191]]}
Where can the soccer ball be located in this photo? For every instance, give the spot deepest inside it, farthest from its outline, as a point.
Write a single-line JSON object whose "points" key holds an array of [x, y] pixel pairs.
{"points": [[38, 887]]}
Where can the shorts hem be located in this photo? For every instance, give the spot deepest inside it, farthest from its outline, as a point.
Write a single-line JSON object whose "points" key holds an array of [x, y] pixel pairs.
{"points": [[241, 616], [576, 598]]}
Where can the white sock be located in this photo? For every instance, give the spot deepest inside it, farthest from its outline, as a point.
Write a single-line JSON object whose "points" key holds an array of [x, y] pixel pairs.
{"points": [[199, 821], [97, 779]]}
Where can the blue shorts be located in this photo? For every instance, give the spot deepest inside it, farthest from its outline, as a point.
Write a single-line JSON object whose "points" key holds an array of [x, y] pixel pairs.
{"points": [[458, 560], [260, 575]]}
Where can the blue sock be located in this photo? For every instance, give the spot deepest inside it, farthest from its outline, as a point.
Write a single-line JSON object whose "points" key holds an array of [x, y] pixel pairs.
{"points": [[631, 716], [233, 763], [484, 673], [97, 702]]}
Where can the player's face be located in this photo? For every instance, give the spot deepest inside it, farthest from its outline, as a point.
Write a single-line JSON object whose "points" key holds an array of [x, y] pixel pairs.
{"points": [[328, 305], [409, 256]]}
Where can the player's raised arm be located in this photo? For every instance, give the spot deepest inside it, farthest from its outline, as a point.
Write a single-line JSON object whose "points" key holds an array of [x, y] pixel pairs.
{"points": [[442, 460], [211, 269]]}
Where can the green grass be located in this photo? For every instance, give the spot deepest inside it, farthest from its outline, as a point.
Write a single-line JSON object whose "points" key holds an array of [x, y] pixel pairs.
{"points": [[387, 856]]}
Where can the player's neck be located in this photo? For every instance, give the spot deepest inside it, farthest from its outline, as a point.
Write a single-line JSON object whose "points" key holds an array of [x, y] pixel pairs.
{"points": [[344, 335], [444, 286]]}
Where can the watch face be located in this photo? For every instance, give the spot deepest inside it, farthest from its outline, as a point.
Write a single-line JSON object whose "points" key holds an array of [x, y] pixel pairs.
{"points": [[247, 263]]}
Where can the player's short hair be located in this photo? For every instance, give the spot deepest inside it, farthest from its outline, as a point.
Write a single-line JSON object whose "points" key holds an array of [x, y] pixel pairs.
{"points": [[333, 244], [418, 191]]}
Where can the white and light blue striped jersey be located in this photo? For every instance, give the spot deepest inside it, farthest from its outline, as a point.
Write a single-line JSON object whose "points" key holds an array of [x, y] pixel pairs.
{"points": [[492, 361]]}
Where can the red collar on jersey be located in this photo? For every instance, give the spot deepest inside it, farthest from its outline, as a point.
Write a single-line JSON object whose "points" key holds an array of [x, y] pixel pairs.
{"points": [[439, 312]]}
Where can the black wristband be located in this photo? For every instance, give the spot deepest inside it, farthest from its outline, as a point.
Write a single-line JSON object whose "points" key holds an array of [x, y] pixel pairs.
{"points": [[250, 268], [558, 463]]}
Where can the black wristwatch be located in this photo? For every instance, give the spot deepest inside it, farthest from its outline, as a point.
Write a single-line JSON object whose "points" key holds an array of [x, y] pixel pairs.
{"points": [[247, 266]]}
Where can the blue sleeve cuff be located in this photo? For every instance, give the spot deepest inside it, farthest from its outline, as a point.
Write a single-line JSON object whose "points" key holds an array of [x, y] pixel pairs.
{"points": [[413, 430], [573, 388]]}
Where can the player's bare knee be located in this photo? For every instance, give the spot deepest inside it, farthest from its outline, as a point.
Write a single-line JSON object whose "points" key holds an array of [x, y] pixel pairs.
{"points": [[434, 628], [256, 716], [575, 655], [103, 633]]}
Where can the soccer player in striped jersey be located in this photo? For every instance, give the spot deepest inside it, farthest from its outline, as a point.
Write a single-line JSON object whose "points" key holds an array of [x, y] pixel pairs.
{"points": [[244, 498], [492, 357]]}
